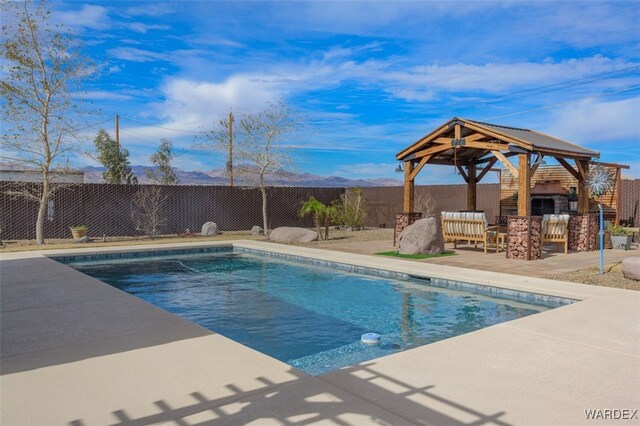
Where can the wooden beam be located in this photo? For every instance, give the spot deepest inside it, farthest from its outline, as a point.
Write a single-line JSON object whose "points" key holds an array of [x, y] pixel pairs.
{"points": [[488, 159], [423, 141], [507, 163], [491, 146], [524, 185], [505, 138], [583, 189], [408, 187], [462, 172], [471, 186], [442, 140], [569, 168], [487, 168], [616, 191], [419, 167], [432, 150], [457, 131], [535, 166], [581, 168], [474, 137]]}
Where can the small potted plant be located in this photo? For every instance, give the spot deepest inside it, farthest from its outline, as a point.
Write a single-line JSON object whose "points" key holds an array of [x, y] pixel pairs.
{"points": [[78, 231], [620, 237]]}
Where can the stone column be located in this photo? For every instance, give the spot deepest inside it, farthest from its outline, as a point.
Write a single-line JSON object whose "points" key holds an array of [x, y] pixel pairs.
{"points": [[583, 232], [524, 237], [402, 221]]}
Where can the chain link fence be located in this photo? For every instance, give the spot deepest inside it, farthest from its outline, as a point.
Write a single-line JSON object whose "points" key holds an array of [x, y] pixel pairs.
{"points": [[106, 209]]}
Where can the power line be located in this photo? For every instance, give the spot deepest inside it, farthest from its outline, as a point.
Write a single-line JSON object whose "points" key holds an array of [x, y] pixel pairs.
{"points": [[162, 127]]}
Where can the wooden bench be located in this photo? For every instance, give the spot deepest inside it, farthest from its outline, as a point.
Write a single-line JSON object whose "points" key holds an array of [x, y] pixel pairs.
{"points": [[555, 229], [468, 227]]}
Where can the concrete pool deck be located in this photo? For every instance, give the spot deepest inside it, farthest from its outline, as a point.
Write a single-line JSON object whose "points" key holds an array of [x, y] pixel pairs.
{"points": [[76, 351]]}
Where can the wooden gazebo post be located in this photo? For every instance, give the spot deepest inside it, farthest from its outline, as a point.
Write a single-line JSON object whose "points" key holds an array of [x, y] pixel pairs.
{"points": [[524, 185], [409, 188]]}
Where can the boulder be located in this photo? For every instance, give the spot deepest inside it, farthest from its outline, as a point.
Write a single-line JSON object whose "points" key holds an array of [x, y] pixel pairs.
{"points": [[631, 268], [256, 230], [287, 234], [210, 229], [424, 236]]}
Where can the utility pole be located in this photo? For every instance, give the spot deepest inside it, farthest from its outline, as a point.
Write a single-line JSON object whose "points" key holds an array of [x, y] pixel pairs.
{"points": [[230, 161], [117, 133]]}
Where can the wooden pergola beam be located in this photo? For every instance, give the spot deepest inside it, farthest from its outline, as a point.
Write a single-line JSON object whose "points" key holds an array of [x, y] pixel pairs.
{"points": [[419, 167], [462, 173], [488, 159], [408, 191], [508, 164], [471, 186], [583, 190], [433, 150], [524, 185], [568, 167], [487, 168]]}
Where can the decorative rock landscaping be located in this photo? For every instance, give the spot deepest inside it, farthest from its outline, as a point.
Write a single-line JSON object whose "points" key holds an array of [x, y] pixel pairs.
{"points": [[209, 229], [424, 236], [287, 234], [631, 268]]}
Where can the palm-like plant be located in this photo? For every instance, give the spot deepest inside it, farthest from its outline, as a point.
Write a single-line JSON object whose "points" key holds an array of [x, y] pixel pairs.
{"points": [[321, 215]]}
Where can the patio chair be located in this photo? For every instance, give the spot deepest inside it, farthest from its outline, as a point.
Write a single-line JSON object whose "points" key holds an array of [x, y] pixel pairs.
{"points": [[555, 229], [467, 226]]}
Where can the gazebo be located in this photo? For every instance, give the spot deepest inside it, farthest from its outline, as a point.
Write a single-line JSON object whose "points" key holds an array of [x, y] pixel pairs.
{"points": [[473, 147]]}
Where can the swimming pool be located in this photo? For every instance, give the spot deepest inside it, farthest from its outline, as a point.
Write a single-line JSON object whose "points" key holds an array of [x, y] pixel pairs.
{"points": [[308, 315]]}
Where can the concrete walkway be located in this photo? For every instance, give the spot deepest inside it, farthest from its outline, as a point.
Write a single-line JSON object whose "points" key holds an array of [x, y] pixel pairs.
{"points": [[77, 351]]}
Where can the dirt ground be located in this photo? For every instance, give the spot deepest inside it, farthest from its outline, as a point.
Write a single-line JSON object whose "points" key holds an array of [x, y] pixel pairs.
{"points": [[612, 277], [335, 236]]}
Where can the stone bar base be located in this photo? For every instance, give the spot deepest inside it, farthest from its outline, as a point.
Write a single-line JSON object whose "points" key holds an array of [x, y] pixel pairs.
{"points": [[402, 221], [583, 232], [524, 237]]}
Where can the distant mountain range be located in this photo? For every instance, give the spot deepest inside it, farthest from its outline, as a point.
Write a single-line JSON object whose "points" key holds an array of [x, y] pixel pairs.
{"points": [[93, 174]]}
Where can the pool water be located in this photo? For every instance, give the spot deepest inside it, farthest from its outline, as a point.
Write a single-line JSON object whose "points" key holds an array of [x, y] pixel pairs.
{"points": [[310, 317]]}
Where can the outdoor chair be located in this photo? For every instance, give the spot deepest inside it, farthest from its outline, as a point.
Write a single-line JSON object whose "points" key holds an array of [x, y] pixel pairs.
{"points": [[555, 229], [462, 226]]}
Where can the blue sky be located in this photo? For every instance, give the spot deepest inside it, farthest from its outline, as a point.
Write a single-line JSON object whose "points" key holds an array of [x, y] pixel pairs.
{"points": [[371, 77]]}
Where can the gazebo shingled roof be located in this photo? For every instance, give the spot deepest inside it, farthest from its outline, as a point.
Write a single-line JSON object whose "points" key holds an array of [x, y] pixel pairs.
{"points": [[474, 147]]}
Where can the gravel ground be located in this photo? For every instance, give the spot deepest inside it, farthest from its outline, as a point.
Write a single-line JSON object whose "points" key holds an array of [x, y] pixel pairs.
{"points": [[335, 236], [612, 277]]}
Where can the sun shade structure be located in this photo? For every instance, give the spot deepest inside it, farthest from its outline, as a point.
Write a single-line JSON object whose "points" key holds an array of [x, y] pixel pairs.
{"points": [[473, 147]]}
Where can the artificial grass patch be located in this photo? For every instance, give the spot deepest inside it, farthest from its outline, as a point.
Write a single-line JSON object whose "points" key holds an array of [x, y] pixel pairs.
{"points": [[416, 256]]}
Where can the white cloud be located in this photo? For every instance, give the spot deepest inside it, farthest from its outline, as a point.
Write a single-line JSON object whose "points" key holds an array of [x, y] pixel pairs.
{"points": [[88, 17], [137, 55], [99, 95], [591, 121], [141, 28]]}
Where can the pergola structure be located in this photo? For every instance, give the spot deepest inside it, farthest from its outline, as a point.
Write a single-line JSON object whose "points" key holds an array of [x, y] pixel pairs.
{"points": [[474, 147]]}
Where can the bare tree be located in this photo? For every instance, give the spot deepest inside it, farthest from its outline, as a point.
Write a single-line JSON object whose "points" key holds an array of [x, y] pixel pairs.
{"points": [[41, 66], [426, 203], [146, 210], [262, 145]]}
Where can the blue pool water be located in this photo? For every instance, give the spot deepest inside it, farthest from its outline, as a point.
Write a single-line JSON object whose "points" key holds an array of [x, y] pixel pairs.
{"points": [[310, 317]]}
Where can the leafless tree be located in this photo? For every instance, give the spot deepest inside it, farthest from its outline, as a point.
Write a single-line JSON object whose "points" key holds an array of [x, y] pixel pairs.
{"points": [[147, 210], [426, 203], [262, 145], [41, 67]]}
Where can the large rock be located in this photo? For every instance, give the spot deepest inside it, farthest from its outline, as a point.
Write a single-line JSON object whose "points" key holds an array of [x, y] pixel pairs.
{"points": [[631, 268], [424, 236], [256, 230], [287, 234], [210, 229]]}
